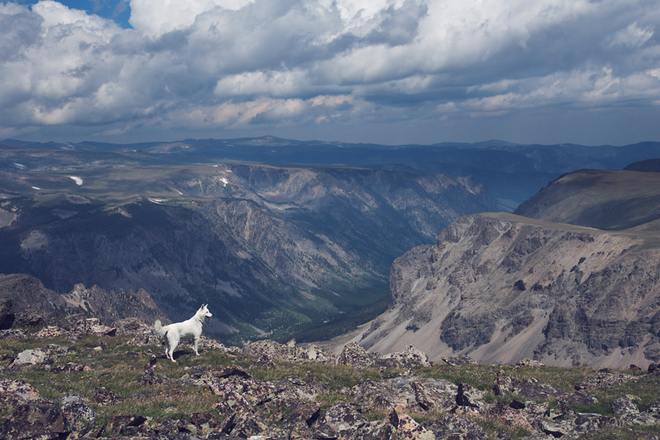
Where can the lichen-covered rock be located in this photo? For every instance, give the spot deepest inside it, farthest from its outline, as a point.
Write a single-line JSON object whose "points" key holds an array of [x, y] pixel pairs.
{"points": [[244, 424], [470, 397], [530, 389], [429, 396], [340, 420], [35, 421], [306, 413], [408, 358], [377, 430], [606, 379], [17, 392], [231, 402], [371, 395], [29, 357], [79, 416], [356, 356], [455, 427]]}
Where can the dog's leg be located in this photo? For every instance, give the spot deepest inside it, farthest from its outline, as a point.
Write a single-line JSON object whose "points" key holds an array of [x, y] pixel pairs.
{"points": [[195, 345], [173, 344]]}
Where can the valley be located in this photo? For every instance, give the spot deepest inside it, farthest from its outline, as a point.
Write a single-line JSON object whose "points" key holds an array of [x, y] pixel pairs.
{"points": [[309, 240], [272, 249]]}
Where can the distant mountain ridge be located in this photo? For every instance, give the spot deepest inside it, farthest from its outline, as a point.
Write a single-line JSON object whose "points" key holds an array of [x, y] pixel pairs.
{"points": [[511, 172]]}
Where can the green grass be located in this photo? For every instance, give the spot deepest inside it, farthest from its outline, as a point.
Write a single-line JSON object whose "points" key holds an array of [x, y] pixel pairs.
{"points": [[118, 367]]}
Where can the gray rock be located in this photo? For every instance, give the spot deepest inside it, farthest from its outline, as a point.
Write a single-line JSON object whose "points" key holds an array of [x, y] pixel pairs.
{"points": [[29, 357], [35, 421], [356, 356], [455, 427], [79, 416], [16, 392], [341, 419]]}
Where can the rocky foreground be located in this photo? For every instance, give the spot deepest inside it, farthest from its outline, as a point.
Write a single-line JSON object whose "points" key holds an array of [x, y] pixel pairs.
{"points": [[88, 380]]}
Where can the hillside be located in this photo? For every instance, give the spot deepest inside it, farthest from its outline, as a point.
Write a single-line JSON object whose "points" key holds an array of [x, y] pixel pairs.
{"points": [[611, 200], [90, 381], [272, 249]]}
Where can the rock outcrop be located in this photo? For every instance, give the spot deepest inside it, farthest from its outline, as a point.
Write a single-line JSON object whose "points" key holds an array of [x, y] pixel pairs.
{"points": [[503, 288], [291, 408], [24, 301]]}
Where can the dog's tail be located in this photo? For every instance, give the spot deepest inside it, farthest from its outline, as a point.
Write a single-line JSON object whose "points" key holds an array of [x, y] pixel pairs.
{"points": [[159, 328]]}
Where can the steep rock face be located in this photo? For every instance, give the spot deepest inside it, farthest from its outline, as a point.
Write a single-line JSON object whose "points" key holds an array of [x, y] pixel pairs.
{"points": [[503, 288]]}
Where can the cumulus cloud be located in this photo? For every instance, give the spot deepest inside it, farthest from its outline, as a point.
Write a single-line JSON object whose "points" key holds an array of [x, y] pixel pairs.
{"points": [[223, 64]]}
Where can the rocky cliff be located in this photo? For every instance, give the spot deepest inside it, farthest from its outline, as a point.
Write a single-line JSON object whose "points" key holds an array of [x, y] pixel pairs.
{"points": [[502, 288]]}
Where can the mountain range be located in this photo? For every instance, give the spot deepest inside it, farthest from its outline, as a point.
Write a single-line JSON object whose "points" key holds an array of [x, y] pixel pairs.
{"points": [[281, 236]]}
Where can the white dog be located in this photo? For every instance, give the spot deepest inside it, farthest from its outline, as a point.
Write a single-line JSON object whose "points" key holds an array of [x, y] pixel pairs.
{"points": [[173, 333]]}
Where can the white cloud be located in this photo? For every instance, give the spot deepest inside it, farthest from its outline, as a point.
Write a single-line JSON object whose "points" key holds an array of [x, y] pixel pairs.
{"points": [[230, 63], [632, 36], [157, 17]]}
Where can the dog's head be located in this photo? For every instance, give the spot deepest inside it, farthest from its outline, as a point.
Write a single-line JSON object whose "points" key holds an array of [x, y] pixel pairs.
{"points": [[203, 312]]}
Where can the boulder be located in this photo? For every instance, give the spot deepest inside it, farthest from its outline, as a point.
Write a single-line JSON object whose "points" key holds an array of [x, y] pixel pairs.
{"points": [[371, 395], [410, 357], [79, 416], [456, 428], [356, 356], [377, 430], [17, 392], [35, 421], [409, 429], [431, 397], [340, 420], [470, 397], [29, 357], [6, 316]]}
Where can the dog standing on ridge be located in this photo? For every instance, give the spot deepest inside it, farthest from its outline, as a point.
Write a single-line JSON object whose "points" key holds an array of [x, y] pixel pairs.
{"points": [[190, 328]]}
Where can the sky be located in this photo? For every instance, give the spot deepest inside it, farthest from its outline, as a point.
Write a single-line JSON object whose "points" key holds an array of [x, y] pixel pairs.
{"points": [[382, 71]]}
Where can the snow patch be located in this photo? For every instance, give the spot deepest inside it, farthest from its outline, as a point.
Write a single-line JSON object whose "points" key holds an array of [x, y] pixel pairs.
{"points": [[78, 180]]}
